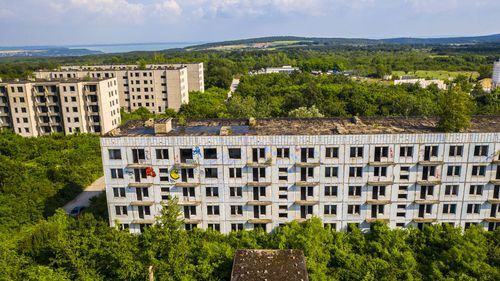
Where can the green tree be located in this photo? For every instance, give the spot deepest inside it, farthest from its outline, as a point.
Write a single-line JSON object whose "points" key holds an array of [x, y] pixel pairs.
{"points": [[485, 71], [141, 64], [454, 110], [166, 245], [304, 112]]}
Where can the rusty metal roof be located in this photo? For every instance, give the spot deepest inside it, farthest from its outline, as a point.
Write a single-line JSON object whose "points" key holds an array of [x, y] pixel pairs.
{"points": [[269, 265], [304, 126]]}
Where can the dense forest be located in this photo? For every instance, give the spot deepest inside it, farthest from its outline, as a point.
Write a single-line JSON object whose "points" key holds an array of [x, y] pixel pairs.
{"points": [[300, 95], [39, 175], [63, 248]]}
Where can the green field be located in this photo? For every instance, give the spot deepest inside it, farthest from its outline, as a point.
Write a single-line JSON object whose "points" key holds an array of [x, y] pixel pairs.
{"points": [[441, 74], [269, 45]]}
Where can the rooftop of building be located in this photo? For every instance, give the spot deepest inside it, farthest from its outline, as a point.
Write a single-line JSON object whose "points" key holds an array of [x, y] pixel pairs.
{"points": [[103, 67], [53, 80], [298, 126], [269, 265]]}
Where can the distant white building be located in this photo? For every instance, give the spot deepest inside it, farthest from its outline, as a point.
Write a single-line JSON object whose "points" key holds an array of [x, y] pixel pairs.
{"points": [[284, 69], [422, 82], [495, 79]]}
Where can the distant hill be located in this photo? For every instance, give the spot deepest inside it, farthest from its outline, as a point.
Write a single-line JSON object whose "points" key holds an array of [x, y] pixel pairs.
{"points": [[280, 42], [44, 51], [495, 38], [275, 42]]}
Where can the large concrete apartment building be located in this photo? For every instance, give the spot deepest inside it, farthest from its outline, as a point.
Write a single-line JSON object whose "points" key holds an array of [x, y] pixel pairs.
{"points": [[38, 107], [235, 173], [156, 86]]}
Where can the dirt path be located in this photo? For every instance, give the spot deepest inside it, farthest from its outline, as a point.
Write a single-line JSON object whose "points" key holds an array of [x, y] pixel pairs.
{"points": [[234, 86], [83, 198]]}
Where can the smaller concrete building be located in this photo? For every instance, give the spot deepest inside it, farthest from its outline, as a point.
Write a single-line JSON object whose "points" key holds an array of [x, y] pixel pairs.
{"points": [[155, 86], [37, 107], [284, 69], [422, 82]]}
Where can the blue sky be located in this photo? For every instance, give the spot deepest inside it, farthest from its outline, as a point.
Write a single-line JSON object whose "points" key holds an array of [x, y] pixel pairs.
{"points": [[66, 22]]}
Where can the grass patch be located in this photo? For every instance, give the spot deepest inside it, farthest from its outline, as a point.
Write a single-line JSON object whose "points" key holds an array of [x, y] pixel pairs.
{"points": [[441, 74]]}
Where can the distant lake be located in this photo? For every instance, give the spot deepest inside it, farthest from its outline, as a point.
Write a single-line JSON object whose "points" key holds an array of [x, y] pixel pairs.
{"points": [[123, 48]]}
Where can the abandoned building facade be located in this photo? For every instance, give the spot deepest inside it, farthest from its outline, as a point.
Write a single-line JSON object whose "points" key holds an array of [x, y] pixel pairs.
{"points": [[154, 86], [38, 107], [235, 174]]}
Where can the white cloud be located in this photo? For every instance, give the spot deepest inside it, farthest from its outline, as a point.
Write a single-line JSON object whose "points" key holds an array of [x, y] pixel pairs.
{"points": [[4, 13], [117, 8], [433, 7], [169, 8]]}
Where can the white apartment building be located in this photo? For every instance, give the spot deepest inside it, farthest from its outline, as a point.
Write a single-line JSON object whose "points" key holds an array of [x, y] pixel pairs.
{"points": [[423, 82], [284, 69], [38, 107], [495, 79], [231, 174], [156, 87]]}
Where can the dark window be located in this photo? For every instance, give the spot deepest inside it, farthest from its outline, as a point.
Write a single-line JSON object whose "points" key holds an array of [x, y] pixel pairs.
{"points": [[332, 152], [430, 151], [234, 153], [473, 208], [380, 171], [258, 153], [356, 151], [479, 171], [356, 172], [235, 172], [481, 150], [454, 171], [451, 190], [381, 151], [331, 190], [119, 191], [330, 210], [353, 209], [258, 173], [210, 153], [162, 153], [236, 210], [306, 153], [283, 152], [449, 208], [406, 151], [331, 172], [355, 190], [213, 210], [115, 154], [212, 192], [117, 173], [235, 191], [138, 154], [456, 150], [236, 226], [210, 172], [186, 154], [121, 210], [404, 173], [283, 174], [476, 190]]}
